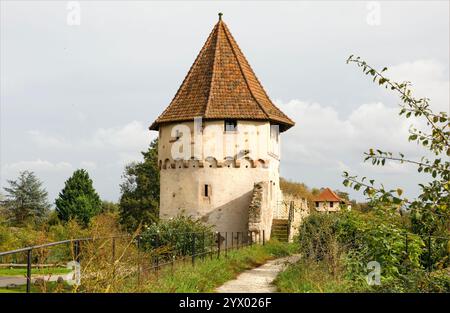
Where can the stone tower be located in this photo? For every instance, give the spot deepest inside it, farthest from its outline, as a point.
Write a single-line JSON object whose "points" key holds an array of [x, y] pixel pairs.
{"points": [[219, 145]]}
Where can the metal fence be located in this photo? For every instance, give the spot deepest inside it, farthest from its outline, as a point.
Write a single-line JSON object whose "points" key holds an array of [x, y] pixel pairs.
{"points": [[150, 253]]}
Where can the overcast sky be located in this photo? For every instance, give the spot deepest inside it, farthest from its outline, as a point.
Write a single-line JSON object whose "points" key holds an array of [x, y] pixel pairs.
{"points": [[83, 96]]}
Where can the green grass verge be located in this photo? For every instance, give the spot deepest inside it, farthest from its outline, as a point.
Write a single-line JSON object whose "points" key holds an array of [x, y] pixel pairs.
{"points": [[34, 271], [310, 277], [209, 274]]}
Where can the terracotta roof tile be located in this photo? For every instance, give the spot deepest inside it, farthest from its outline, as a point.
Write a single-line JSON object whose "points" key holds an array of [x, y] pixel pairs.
{"points": [[327, 195], [221, 84]]}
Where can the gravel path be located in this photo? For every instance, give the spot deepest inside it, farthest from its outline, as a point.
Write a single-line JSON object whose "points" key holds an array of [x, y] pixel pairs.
{"points": [[258, 279]]}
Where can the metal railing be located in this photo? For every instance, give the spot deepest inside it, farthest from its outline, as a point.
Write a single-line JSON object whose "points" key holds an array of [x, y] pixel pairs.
{"points": [[290, 217], [153, 252]]}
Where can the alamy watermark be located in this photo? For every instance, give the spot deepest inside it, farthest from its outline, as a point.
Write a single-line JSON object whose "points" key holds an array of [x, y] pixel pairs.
{"points": [[74, 13], [374, 15], [374, 276], [236, 141]]}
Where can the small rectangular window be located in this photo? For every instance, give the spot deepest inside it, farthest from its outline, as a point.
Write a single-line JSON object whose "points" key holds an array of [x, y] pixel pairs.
{"points": [[331, 204], [274, 132], [230, 125], [207, 191], [317, 204]]}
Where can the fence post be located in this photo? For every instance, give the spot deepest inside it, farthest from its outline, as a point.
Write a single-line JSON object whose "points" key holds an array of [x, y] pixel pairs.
{"points": [[232, 236], [29, 270], [218, 244], [211, 245], [226, 244], [157, 254], [237, 241], [203, 245], [264, 237], [193, 249]]}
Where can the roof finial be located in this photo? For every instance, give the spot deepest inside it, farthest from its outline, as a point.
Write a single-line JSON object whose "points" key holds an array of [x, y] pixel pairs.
{"points": [[220, 16]]}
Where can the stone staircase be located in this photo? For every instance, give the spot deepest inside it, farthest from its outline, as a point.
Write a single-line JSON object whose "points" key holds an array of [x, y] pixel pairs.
{"points": [[280, 229]]}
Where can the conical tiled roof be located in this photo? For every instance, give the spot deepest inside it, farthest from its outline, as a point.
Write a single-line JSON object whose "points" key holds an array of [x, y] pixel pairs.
{"points": [[221, 85]]}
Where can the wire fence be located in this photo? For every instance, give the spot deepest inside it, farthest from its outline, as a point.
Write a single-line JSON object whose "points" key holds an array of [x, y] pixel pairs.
{"points": [[98, 259]]}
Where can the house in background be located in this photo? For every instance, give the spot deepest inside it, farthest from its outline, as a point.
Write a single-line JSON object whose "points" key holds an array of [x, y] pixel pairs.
{"points": [[328, 201]]}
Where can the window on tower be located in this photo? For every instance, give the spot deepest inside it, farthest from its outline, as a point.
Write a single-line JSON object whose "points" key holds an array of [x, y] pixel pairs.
{"points": [[206, 190], [274, 132], [230, 126]]}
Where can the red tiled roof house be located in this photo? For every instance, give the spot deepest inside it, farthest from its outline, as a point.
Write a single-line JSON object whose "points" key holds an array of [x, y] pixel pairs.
{"points": [[328, 201]]}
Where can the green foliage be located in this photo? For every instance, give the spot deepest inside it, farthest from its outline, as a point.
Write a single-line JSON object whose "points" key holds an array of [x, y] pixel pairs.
{"points": [[308, 276], [139, 202], [177, 235], [429, 213], [25, 200], [350, 240], [381, 238], [317, 235], [78, 199]]}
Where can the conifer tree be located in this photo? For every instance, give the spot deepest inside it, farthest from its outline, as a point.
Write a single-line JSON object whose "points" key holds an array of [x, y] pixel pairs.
{"points": [[25, 200], [78, 199]]}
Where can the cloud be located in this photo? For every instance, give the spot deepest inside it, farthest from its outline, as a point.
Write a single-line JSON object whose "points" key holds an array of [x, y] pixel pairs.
{"points": [[43, 140], [38, 166], [132, 136], [122, 142], [429, 78], [323, 137], [89, 165]]}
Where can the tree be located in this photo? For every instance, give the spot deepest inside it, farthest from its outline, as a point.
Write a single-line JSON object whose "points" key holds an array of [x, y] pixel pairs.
{"points": [[430, 211], [139, 202], [78, 199], [25, 200]]}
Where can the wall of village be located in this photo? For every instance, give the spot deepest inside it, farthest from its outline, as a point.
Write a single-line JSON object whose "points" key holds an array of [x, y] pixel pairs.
{"points": [[301, 211], [229, 173], [260, 213]]}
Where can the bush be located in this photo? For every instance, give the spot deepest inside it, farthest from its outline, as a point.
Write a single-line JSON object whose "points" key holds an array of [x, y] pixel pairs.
{"points": [[178, 235], [353, 239]]}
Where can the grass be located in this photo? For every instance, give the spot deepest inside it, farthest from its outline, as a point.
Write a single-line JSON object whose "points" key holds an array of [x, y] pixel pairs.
{"points": [[35, 271], [209, 274], [310, 277]]}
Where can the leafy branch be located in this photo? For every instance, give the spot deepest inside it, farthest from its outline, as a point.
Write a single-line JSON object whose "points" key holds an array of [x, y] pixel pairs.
{"points": [[430, 212], [413, 106]]}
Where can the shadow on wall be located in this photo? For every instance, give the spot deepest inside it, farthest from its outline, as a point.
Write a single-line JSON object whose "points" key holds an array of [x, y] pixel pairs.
{"points": [[232, 216]]}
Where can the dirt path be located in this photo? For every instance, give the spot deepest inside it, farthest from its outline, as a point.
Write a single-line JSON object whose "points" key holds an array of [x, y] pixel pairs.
{"points": [[22, 280], [258, 279]]}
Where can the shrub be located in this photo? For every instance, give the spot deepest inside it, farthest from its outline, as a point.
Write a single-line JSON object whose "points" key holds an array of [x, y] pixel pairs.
{"points": [[178, 235]]}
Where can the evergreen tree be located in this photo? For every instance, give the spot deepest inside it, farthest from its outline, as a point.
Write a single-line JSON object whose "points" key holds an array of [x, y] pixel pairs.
{"points": [[139, 201], [78, 199], [25, 199]]}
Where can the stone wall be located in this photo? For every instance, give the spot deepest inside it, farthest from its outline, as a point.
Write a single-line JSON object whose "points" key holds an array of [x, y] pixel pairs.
{"points": [[260, 212], [301, 210]]}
